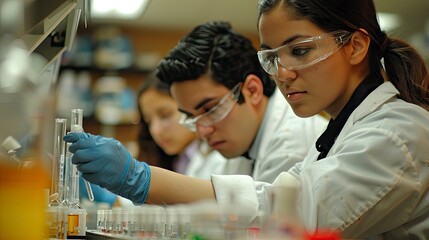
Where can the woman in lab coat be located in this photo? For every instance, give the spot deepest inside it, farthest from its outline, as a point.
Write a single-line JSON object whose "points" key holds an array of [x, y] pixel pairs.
{"points": [[368, 174]]}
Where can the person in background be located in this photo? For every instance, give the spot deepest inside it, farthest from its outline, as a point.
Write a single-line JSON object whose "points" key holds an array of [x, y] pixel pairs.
{"points": [[368, 173], [174, 147]]}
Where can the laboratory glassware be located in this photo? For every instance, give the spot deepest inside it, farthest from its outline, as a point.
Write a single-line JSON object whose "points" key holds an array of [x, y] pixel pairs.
{"points": [[57, 186]]}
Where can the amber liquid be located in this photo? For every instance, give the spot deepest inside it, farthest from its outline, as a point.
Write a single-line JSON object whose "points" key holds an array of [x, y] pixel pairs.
{"points": [[73, 223]]}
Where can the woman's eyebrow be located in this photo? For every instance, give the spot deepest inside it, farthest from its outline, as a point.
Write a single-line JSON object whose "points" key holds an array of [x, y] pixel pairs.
{"points": [[288, 40]]}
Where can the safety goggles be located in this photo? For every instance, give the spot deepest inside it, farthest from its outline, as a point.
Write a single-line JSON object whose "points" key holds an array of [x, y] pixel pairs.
{"points": [[302, 54], [216, 113]]}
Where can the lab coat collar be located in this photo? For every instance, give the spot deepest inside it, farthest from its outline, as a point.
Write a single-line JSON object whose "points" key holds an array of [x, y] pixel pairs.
{"points": [[374, 100], [328, 137]]}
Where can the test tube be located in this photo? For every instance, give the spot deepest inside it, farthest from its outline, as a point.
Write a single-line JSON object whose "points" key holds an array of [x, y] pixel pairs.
{"points": [[71, 181], [57, 185], [76, 125], [76, 121]]}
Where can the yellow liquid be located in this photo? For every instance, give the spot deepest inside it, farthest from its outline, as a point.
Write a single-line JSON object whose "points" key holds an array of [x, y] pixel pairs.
{"points": [[73, 222]]}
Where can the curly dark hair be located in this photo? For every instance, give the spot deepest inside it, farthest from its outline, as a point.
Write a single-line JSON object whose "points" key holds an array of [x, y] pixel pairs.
{"points": [[213, 48]]}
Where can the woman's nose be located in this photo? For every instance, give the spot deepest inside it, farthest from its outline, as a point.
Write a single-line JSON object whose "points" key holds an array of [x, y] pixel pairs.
{"points": [[155, 126], [284, 74]]}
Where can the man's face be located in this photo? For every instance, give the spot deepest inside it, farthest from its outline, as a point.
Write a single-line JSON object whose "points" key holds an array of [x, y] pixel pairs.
{"points": [[232, 135]]}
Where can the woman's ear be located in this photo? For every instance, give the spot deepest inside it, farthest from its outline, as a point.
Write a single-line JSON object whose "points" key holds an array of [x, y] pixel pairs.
{"points": [[359, 42], [253, 90]]}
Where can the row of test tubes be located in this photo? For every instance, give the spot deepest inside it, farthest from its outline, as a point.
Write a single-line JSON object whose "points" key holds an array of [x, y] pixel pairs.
{"points": [[65, 217], [202, 220], [206, 220], [146, 222]]}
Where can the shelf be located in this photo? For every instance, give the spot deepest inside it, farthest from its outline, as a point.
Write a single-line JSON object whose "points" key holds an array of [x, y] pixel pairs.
{"points": [[43, 30], [103, 70], [55, 32], [92, 120]]}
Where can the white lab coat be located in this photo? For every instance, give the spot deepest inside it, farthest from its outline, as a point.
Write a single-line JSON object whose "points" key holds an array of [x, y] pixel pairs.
{"points": [[283, 139], [374, 182], [204, 162]]}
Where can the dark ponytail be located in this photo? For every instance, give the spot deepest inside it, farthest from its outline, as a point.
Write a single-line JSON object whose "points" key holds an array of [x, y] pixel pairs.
{"points": [[406, 69]]}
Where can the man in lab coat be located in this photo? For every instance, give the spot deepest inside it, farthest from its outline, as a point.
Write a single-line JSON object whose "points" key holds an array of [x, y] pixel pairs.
{"points": [[229, 101]]}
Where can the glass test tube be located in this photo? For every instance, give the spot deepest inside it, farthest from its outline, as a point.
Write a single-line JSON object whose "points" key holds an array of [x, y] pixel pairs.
{"points": [[57, 185], [76, 125], [72, 181]]}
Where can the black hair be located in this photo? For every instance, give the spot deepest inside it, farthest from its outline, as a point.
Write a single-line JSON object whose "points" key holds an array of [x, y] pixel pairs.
{"points": [[404, 67], [213, 48], [149, 151]]}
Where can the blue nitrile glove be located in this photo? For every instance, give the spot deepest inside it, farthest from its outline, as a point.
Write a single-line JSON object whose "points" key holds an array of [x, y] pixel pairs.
{"points": [[105, 162]]}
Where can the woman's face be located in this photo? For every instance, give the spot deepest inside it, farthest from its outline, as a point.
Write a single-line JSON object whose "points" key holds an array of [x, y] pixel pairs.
{"points": [[161, 114], [324, 86]]}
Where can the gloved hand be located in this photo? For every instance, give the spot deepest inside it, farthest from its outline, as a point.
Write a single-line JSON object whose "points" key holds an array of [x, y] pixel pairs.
{"points": [[105, 162]]}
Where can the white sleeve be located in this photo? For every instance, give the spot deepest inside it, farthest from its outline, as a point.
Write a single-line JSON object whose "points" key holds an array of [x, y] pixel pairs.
{"points": [[227, 186], [204, 165], [252, 198]]}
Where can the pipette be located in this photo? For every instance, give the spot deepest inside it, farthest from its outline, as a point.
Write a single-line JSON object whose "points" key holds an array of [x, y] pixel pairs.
{"points": [[76, 126]]}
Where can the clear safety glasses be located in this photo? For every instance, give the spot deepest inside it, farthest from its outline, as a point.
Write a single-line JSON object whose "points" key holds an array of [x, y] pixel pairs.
{"points": [[302, 54], [216, 113]]}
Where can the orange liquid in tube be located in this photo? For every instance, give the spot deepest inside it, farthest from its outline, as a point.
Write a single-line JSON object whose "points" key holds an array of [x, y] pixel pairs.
{"points": [[73, 223]]}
